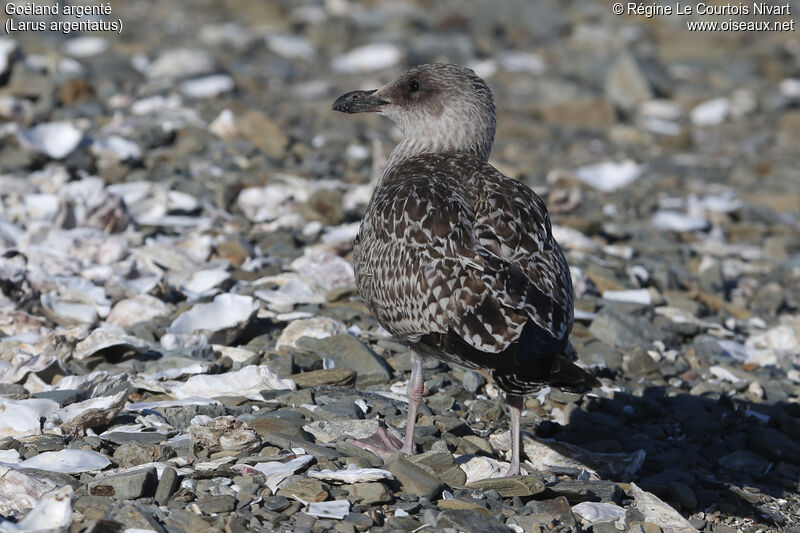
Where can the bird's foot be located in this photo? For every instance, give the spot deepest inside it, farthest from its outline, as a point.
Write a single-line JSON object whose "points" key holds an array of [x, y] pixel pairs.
{"points": [[383, 444], [513, 470]]}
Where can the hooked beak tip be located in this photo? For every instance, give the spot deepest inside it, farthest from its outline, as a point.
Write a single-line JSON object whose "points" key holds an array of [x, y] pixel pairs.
{"points": [[358, 102]]}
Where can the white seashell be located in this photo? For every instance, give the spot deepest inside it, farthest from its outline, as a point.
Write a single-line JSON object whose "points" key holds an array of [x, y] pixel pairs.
{"points": [[41, 206], [21, 491], [610, 176], [782, 341], [67, 461], [261, 204], [139, 308], [368, 58], [85, 46], [594, 512], [638, 296], [710, 112], [291, 46], [226, 311], [247, 382], [667, 220], [317, 328], [25, 364], [325, 431], [545, 454], [108, 337], [790, 87], [94, 384], [121, 149], [336, 509], [478, 467], [277, 471], [327, 270], [226, 34], [573, 239], [54, 139], [237, 354], [208, 86], [724, 374], [9, 457], [52, 514], [9, 51], [181, 63], [352, 474], [292, 291], [92, 412], [201, 282], [343, 233], [514, 61], [18, 420], [224, 126], [656, 511], [191, 400]]}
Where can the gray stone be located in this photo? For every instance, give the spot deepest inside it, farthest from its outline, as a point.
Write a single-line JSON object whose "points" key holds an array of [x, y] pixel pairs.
{"points": [[744, 461], [470, 520], [167, 485], [277, 503], [217, 504], [224, 433], [93, 507], [369, 493], [473, 381], [509, 486], [306, 488], [683, 494], [774, 444], [326, 431], [339, 377], [443, 465], [548, 513], [134, 515], [661, 481], [639, 363], [414, 479], [347, 449], [149, 437], [134, 453], [63, 397], [348, 352], [626, 85], [585, 491], [617, 329], [125, 486]]}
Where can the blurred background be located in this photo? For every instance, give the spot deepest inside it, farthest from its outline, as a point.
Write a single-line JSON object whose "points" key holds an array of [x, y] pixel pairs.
{"points": [[200, 140]]}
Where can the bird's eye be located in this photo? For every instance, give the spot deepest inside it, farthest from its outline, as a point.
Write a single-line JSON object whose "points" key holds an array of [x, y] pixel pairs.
{"points": [[413, 86]]}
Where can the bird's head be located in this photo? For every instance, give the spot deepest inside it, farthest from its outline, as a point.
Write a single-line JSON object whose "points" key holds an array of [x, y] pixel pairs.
{"points": [[438, 108]]}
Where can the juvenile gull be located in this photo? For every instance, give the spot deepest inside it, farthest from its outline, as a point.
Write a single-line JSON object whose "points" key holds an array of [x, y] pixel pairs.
{"points": [[455, 258]]}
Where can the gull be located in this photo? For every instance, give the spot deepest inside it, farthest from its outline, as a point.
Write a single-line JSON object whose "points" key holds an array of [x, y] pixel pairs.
{"points": [[456, 259]]}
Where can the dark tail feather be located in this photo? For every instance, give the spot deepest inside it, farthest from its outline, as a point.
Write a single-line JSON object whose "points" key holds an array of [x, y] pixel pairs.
{"points": [[562, 373], [565, 373]]}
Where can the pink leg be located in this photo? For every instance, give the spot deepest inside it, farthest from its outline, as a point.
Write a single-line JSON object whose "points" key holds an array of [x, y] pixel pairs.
{"points": [[414, 391], [515, 404], [382, 443]]}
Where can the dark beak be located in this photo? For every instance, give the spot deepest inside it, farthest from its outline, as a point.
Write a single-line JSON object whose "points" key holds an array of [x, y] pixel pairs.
{"points": [[358, 102]]}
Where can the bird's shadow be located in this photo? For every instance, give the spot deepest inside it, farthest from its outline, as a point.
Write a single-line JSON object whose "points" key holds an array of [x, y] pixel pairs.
{"points": [[729, 453]]}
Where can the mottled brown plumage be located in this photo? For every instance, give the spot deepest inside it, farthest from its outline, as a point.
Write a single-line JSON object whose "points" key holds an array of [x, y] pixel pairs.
{"points": [[460, 262], [452, 256]]}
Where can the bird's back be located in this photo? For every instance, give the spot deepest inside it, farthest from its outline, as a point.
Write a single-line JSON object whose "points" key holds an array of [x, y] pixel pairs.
{"points": [[460, 262]]}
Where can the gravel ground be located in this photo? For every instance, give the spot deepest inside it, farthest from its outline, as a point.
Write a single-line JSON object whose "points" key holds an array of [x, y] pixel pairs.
{"points": [[181, 344]]}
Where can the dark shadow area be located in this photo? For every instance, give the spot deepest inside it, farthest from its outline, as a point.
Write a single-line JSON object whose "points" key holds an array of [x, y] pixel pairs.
{"points": [[704, 453]]}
